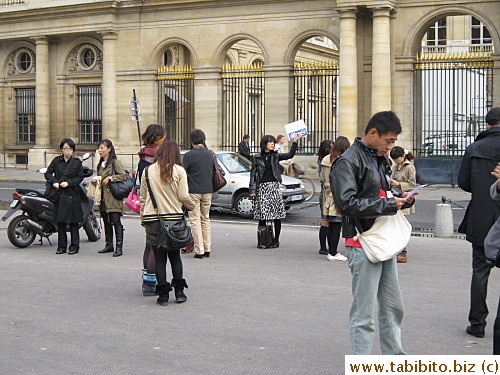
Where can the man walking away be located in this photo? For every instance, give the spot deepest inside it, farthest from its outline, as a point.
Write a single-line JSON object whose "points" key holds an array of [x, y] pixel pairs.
{"points": [[480, 158], [359, 183], [244, 147]]}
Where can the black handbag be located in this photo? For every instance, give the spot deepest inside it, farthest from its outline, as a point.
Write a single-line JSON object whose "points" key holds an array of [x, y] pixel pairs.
{"points": [[121, 189], [175, 234], [264, 236]]}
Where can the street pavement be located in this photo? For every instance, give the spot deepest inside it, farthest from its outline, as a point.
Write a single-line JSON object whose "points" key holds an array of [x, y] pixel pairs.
{"points": [[249, 311]]}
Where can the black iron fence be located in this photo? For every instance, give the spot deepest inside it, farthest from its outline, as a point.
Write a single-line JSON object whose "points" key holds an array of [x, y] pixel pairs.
{"points": [[315, 95], [175, 102], [242, 105], [452, 96]]}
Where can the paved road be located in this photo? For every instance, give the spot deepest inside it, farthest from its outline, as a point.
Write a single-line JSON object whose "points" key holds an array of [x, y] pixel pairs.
{"points": [[308, 213], [249, 311]]}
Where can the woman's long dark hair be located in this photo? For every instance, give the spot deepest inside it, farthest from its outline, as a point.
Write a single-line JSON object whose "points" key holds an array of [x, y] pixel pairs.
{"points": [[153, 133], [112, 153], [338, 148], [398, 151], [325, 147], [166, 157]]}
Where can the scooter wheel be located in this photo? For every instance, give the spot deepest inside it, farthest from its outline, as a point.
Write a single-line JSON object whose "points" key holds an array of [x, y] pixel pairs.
{"points": [[19, 235], [92, 228]]}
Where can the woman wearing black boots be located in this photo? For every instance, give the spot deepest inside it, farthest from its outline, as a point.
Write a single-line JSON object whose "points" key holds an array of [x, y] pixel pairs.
{"points": [[265, 180], [167, 180], [110, 170], [64, 174]]}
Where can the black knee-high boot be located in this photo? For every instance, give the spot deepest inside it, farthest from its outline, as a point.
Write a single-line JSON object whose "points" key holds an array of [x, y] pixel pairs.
{"points": [[108, 232], [119, 240]]}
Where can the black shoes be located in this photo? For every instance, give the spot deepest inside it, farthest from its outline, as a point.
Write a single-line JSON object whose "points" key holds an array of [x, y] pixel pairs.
{"points": [[179, 285], [107, 249], [323, 251], [60, 251], [199, 256], [475, 331], [148, 288], [73, 251], [118, 253], [207, 254], [274, 244]]}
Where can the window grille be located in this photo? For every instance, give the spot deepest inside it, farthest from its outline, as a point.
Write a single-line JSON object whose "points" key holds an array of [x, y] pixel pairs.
{"points": [[25, 116], [90, 114]]}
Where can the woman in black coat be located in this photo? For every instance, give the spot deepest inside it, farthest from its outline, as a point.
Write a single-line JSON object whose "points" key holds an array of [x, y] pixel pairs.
{"points": [[64, 175], [265, 178]]}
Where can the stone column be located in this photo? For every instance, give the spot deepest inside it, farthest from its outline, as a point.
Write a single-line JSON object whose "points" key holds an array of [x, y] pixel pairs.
{"points": [[207, 103], [495, 57], [348, 75], [278, 99], [109, 109], [381, 60], [42, 104]]}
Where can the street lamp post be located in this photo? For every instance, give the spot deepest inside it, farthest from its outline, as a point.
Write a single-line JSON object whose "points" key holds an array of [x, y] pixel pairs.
{"points": [[300, 105]]}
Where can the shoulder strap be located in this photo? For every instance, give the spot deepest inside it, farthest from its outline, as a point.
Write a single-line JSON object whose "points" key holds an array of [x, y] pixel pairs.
{"points": [[149, 188]]}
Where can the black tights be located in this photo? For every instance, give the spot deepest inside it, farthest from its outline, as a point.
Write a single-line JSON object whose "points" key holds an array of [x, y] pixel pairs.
{"points": [[333, 237], [277, 228], [148, 259], [174, 256]]}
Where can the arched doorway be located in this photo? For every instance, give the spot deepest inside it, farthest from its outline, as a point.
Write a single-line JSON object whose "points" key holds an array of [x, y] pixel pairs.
{"points": [[176, 93], [315, 82], [243, 95], [453, 78]]}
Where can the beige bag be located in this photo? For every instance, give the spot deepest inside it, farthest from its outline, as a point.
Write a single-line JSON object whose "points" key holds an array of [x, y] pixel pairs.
{"points": [[386, 238]]}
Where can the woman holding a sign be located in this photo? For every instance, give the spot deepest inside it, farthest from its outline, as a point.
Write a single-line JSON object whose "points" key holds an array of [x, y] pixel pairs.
{"points": [[265, 179]]}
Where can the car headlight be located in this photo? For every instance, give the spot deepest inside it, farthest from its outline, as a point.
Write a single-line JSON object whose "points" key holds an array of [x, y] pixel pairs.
{"points": [[282, 187], [301, 185]]}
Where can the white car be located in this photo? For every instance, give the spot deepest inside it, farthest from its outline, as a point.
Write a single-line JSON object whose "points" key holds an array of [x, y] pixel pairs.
{"points": [[448, 145], [235, 195]]}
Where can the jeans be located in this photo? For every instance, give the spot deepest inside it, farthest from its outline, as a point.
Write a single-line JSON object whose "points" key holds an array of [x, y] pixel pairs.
{"points": [[372, 282], [479, 288], [200, 223]]}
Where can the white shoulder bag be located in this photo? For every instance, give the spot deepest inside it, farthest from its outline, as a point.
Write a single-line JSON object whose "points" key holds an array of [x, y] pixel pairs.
{"points": [[386, 238]]}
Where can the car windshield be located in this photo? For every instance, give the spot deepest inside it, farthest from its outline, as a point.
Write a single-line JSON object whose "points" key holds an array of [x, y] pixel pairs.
{"points": [[235, 163]]}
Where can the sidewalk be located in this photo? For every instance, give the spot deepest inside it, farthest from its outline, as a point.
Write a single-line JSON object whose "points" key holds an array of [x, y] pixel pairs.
{"points": [[249, 311]]}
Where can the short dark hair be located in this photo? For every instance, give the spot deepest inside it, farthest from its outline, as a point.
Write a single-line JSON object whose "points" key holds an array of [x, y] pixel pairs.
{"points": [[493, 116], [265, 140], [197, 137], [384, 122], [246, 136], [69, 142]]}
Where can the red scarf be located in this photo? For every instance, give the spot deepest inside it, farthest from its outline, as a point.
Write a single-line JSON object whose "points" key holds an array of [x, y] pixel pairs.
{"points": [[148, 153]]}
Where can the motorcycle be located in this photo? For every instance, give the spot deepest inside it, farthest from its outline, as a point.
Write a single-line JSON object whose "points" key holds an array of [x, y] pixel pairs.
{"points": [[37, 216]]}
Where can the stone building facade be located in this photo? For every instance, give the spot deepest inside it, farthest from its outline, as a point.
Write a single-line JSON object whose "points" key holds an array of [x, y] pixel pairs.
{"points": [[57, 56]]}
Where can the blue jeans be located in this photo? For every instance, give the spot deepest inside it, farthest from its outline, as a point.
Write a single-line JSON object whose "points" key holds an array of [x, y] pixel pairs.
{"points": [[372, 282]]}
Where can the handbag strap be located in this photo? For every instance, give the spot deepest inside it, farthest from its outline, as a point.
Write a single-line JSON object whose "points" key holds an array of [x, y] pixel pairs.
{"points": [[216, 164]]}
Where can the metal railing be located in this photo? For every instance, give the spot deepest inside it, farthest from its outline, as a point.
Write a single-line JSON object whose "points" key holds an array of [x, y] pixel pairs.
{"points": [[243, 104], [315, 98], [452, 96], [175, 102]]}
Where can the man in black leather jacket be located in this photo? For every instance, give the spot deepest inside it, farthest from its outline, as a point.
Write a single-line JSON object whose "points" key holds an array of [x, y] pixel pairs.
{"points": [[480, 158], [359, 182]]}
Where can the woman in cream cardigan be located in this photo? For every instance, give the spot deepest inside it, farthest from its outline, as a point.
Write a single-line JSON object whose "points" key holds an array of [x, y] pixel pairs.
{"points": [[329, 209], [168, 181], [403, 179]]}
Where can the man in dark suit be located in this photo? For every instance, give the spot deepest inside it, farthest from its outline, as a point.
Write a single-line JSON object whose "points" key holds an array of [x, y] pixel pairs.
{"points": [[475, 177], [244, 147]]}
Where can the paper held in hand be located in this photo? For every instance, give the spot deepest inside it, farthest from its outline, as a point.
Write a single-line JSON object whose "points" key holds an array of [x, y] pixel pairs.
{"points": [[412, 193], [296, 128]]}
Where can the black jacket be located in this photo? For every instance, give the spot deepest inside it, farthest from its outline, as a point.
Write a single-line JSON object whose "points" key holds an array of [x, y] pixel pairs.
{"points": [[480, 158], [199, 165], [258, 167], [244, 149], [68, 208], [355, 183]]}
